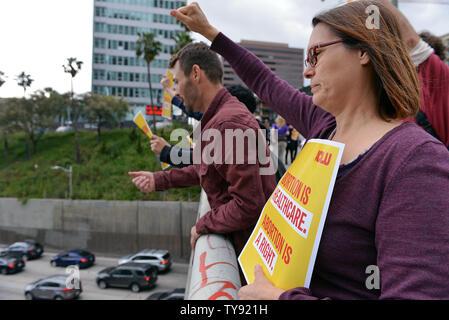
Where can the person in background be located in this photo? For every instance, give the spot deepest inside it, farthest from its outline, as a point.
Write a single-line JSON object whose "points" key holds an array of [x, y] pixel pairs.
{"points": [[292, 144], [279, 130], [433, 75], [389, 208], [435, 43]]}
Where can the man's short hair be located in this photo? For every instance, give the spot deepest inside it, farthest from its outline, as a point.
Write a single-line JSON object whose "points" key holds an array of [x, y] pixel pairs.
{"points": [[199, 53], [245, 96]]}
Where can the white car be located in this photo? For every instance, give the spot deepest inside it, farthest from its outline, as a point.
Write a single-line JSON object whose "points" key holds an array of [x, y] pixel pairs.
{"points": [[64, 129], [158, 258]]}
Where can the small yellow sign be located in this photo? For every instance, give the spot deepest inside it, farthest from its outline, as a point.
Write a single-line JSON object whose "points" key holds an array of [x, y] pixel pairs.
{"points": [[167, 105], [286, 238], [140, 121]]}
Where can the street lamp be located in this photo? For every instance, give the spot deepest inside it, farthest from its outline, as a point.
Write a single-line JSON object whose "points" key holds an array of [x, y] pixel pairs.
{"points": [[69, 171]]}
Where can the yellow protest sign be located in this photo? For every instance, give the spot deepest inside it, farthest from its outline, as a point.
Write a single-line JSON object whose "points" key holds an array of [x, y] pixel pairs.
{"points": [[140, 121], [287, 235], [166, 105]]}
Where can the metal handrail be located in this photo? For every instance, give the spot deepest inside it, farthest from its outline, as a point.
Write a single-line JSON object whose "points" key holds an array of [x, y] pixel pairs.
{"points": [[213, 272]]}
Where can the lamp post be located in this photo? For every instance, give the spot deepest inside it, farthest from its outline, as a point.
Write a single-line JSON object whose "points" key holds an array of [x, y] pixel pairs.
{"points": [[69, 172]]}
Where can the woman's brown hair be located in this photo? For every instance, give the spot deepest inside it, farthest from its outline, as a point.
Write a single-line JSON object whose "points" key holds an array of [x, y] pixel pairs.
{"points": [[396, 77]]}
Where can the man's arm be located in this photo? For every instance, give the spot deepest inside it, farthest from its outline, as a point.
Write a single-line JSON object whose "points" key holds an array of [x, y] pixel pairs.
{"points": [[176, 178], [148, 181]]}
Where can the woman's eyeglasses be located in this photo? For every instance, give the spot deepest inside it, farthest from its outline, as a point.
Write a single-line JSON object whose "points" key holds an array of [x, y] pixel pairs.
{"points": [[312, 54]]}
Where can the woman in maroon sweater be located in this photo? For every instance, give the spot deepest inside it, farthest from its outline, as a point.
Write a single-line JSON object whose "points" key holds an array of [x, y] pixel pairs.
{"points": [[386, 234]]}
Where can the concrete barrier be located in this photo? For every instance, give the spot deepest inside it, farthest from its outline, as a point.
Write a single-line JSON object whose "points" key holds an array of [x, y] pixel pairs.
{"points": [[107, 227]]}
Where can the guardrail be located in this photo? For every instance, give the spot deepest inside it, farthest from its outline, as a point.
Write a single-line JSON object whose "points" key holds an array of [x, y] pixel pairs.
{"points": [[213, 272]]}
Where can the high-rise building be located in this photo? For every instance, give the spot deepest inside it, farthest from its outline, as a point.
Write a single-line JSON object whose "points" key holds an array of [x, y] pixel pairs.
{"points": [[286, 62], [115, 68]]}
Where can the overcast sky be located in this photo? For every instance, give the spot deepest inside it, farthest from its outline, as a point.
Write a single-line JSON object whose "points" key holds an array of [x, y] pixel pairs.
{"points": [[37, 36]]}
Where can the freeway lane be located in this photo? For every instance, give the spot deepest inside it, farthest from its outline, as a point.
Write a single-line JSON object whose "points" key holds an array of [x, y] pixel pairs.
{"points": [[12, 286]]}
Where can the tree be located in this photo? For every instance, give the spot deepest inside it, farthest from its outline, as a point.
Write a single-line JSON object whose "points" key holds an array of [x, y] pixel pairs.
{"points": [[2, 81], [58, 103], [33, 116], [73, 67], [3, 120], [148, 47], [24, 80], [41, 117], [5, 123], [104, 111], [182, 39]]}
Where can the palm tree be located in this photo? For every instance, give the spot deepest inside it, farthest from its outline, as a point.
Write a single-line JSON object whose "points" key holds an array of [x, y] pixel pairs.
{"points": [[182, 39], [148, 47], [24, 80], [73, 67]]}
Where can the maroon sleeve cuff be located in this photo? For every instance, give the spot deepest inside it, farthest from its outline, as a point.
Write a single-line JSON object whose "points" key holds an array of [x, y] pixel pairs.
{"points": [[201, 227], [160, 182]]}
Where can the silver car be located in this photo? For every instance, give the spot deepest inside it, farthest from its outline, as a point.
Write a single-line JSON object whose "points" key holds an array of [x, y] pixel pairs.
{"points": [[158, 258], [57, 287]]}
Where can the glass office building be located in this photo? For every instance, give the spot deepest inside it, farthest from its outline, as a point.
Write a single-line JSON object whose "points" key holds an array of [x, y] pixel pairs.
{"points": [[115, 68]]}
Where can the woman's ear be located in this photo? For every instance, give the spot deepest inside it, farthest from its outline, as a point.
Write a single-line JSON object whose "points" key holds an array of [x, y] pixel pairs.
{"points": [[364, 57]]}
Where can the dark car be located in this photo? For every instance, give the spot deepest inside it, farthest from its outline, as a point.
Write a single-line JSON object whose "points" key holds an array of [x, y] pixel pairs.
{"points": [[11, 263], [177, 294], [28, 249], [79, 257], [135, 276], [54, 288]]}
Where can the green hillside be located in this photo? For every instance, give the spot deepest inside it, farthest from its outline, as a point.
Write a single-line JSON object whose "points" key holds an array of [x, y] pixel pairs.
{"points": [[102, 175]]}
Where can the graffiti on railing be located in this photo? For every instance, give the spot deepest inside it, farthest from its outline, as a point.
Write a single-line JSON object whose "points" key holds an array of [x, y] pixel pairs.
{"points": [[215, 289]]}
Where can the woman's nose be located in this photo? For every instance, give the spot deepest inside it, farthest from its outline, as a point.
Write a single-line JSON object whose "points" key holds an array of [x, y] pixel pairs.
{"points": [[309, 72]]}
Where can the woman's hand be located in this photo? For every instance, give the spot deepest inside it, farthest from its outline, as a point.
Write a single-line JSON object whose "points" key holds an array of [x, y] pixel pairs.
{"points": [[194, 18], [260, 289]]}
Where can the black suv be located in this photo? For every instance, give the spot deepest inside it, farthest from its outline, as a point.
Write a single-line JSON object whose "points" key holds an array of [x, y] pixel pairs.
{"points": [[29, 249], [135, 276]]}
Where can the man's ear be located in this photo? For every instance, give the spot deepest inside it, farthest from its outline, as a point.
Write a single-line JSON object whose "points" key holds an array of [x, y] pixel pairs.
{"points": [[364, 57], [196, 72]]}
